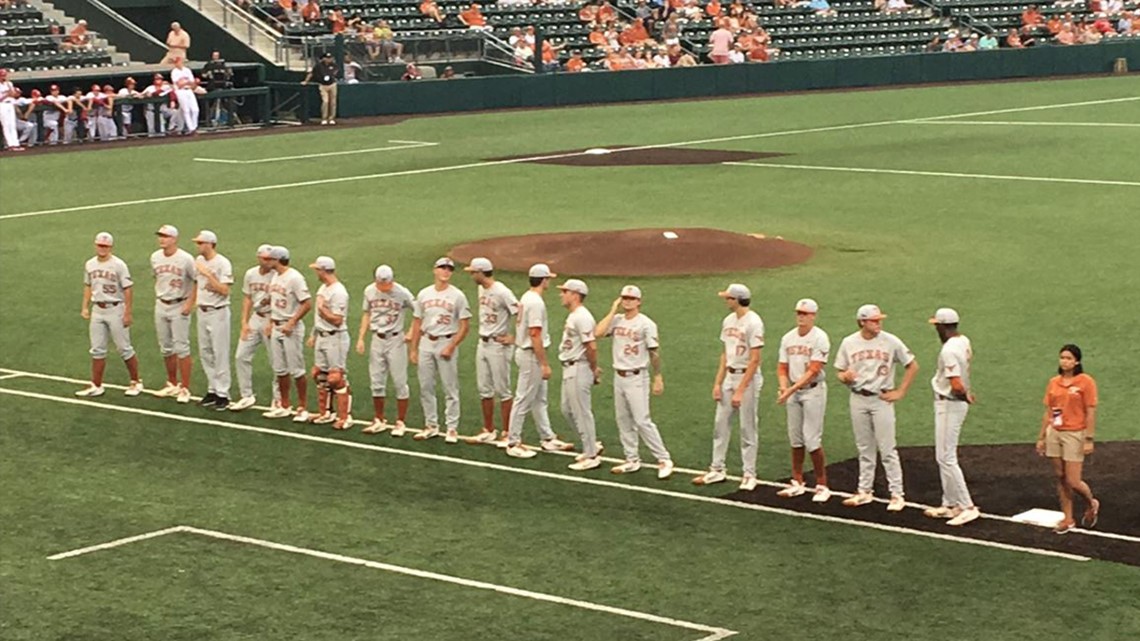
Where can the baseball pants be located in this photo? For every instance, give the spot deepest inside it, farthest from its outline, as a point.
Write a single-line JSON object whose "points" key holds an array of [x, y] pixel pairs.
{"points": [[8, 124], [749, 423], [26, 132], [805, 417], [493, 370], [173, 329], [51, 128], [243, 359], [105, 126], [126, 118], [530, 398], [948, 419], [331, 352], [388, 356], [577, 406], [107, 324], [70, 130], [631, 405], [188, 108], [432, 363], [214, 348], [154, 121], [873, 421], [287, 353]]}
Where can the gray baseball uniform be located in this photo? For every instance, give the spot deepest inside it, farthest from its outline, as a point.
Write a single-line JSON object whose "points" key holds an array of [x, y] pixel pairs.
{"points": [[439, 313], [530, 389], [214, 326], [872, 418], [255, 285], [807, 406], [330, 349], [949, 415], [740, 335], [632, 340], [387, 315], [108, 281], [173, 281], [578, 377], [497, 304], [287, 291]]}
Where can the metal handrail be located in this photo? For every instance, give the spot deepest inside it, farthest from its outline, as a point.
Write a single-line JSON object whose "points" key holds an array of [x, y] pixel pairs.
{"points": [[114, 15]]}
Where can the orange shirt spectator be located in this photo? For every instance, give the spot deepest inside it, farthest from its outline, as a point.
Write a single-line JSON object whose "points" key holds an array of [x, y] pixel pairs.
{"points": [[575, 63], [1053, 25], [588, 13], [311, 12], [637, 31], [430, 9], [473, 17], [597, 38], [713, 9], [1031, 17], [549, 53], [78, 35], [606, 12], [339, 24]]}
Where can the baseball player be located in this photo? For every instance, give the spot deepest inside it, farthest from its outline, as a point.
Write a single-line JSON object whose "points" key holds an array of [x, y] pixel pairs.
{"points": [[440, 321], [737, 386], [330, 345], [27, 131], [57, 108], [866, 363], [578, 353], [215, 276], [803, 389], [532, 336], [289, 302], [108, 298], [386, 305], [176, 294], [126, 111], [636, 349], [183, 80], [497, 304], [8, 112], [99, 109], [255, 309], [952, 399]]}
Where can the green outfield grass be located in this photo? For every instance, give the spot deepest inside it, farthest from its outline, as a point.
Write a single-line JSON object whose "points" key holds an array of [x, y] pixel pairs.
{"points": [[1030, 264]]}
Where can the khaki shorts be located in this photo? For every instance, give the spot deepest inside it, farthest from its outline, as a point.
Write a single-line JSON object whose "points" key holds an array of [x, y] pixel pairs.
{"points": [[1068, 445]]}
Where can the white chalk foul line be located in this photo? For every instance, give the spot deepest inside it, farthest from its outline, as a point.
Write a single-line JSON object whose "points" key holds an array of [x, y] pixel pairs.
{"points": [[1064, 105], [584, 480], [940, 174], [1024, 123], [400, 144], [10, 375], [712, 633]]}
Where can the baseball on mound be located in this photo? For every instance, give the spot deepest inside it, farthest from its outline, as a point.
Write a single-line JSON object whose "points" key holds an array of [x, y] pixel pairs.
{"points": [[597, 151]]}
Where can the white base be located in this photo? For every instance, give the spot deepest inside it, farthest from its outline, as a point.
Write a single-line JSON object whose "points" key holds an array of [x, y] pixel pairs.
{"points": [[597, 151], [669, 235], [1038, 516]]}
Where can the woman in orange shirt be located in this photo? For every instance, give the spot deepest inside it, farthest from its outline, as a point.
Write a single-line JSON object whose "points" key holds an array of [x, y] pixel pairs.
{"points": [[1067, 432]]}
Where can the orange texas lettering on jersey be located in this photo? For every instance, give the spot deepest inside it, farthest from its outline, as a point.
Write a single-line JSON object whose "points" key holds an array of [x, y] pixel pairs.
{"points": [[732, 332], [626, 332], [871, 355], [103, 274], [800, 350], [167, 268], [439, 302], [384, 303]]}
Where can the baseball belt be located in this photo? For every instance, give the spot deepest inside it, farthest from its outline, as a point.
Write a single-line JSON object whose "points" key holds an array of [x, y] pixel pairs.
{"points": [[735, 370], [863, 392], [106, 305], [323, 333], [383, 335], [943, 397], [210, 308], [173, 301], [626, 373], [443, 337]]}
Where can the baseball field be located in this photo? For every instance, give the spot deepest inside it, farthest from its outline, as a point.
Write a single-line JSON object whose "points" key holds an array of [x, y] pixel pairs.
{"points": [[1016, 204]]}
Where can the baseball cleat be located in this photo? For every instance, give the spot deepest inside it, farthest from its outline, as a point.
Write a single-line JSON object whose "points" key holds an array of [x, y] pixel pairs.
{"points": [[398, 429], [1091, 514], [344, 424], [585, 464], [795, 489], [821, 495], [710, 477], [941, 512], [91, 391], [302, 416], [222, 404], [134, 389], [1064, 526], [324, 419], [557, 445], [859, 498], [376, 426], [486, 436], [183, 395], [170, 389], [896, 504], [208, 400], [243, 403], [278, 412], [748, 483], [664, 470], [600, 448], [965, 516], [629, 467], [503, 441], [452, 437], [426, 433], [518, 450]]}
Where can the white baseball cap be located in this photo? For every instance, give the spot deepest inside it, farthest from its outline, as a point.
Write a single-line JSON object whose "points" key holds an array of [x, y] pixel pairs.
{"points": [[869, 312], [541, 270], [324, 263], [631, 291], [279, 253], [445, 262], [575, 285], [737, 291], [384, 274], [104, 238], [167, 230], [944, 316], [263, 251], [480, 264], [807, 306], [206, 236]]}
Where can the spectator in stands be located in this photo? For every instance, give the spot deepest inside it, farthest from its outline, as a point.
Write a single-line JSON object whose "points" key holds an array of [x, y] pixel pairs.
{"points": [[589, 14], [78, 38], [686, 60], [575, 64], [126, 111], [448, 73], [337, 21], [1031, 19], [183, 80], [988, 42], [311, 12], [1088, 35], [292, 15], [327, 74], [713, 9], [177, 43], [430, 9], [523, 51], [644, 13], [606, 12], [1114, 7], [821, 7], [56, 107], [896, 6], [411, 72], [721, 41], [472, 17], [550, 54], [953, 42], [1127, 24], [971, 44], [1013, 40], [671, 32], [353, 72], [1066, 36], [1053, 24], [26, 128], [661, 58], [530, 37], [1103, 25], [755, 44], [934, 45], [736, 56], [388, 48]]}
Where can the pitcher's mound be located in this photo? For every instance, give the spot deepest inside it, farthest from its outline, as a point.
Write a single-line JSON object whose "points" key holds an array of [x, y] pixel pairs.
{"points": [[637, 252], [626, 156]]}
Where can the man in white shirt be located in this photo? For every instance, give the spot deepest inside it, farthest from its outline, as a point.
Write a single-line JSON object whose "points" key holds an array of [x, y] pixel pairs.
{"points": [[578, 353], [175, 296], [255, 308], [8, 112], [330, 345], [215, 276], [497, 309], [183, 80], [289, 303], [108, 297], [386, 307], [803, 390], [441, 319]]}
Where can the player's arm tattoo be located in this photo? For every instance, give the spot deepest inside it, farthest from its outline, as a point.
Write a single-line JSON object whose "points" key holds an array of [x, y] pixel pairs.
{"points": [[655, 360]]}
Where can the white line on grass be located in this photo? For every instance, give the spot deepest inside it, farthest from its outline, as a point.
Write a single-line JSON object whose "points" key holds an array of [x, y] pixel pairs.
{"points": [[1064, 105], [940, 174], [116, 543], [400, 144], [542, 474], [1024, 123], [12, 375]]}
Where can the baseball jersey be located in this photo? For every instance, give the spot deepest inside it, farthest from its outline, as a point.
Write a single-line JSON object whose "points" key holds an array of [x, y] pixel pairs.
{"points": [[125, 93], [633, 338], [7, 89], [953, 361], [388, 310], [497, 304], [872, 360], [256, 285], [173, 275], [799, 352], [179, 75], [740, 335], [532, 313], [54, 103], [286, 293], [336, 300], [576, 333], [224, 272], [440, 311], [98, 103], [107, 279]]}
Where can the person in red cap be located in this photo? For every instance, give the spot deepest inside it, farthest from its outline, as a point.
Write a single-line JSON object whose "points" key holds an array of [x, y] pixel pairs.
{"points": [[126, 111], [99, 121], [158, 116], [183, 80], [57, 106], [26, 128], [8, 112]]}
